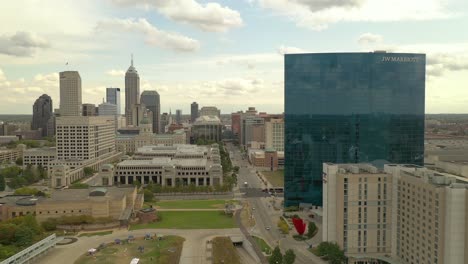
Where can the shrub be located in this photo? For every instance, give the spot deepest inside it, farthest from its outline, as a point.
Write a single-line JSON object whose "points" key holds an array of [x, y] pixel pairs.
{"points": [[79, 185], [291, 209], [26, 191], [311, 230], [283, 226], [50, 224]]}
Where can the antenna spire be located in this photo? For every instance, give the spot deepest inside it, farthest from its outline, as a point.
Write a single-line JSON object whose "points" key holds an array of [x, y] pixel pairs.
{"points": [[132, 58]]}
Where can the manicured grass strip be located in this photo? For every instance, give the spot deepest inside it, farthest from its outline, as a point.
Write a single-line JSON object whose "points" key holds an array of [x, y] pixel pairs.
{"points": [[190, 220], [263, 245], [276, 178], [95, 234], [167, 251], [191, 204], [224, 251]]}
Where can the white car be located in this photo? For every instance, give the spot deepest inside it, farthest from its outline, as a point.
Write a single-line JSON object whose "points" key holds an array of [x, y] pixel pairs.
{"points": [[267, 228]]}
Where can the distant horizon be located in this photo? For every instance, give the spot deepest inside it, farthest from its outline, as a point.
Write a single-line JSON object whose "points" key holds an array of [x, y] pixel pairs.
{"points": [[219, 52]]}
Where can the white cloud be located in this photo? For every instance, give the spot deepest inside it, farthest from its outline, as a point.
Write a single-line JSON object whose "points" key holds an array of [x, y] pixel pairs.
{"points": [[22, 44], [23, 93], [208, 17], [369, 38], [316, 5], [440, 58], [153, 36], [116, 73], [319, 14], [289, 50]]}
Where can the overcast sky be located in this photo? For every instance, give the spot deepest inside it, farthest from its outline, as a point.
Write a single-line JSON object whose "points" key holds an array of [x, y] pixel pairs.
{"points": [[226, 53]]}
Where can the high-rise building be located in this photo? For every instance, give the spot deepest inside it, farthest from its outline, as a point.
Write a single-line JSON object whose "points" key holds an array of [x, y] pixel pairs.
{"points": [[89, 110], [107, 109], [152, 102], [274, 134], [138, 113], [166, 120], [252, 129], [70, 93], [350, 108], [399, 214], [85, 138], [132, 92], [42, 112], [178, 116], [113, 97], [193, 112], [236, 124]]}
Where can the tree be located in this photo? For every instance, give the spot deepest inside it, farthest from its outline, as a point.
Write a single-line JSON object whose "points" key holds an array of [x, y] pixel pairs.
{"points": [[276, 256], [24, 236], [19, 161], [311, 229], [88, 171], [289, 257], [26, 191], [332, 252], [2, 183], [137, 183], [148, 195], [7, 233]]}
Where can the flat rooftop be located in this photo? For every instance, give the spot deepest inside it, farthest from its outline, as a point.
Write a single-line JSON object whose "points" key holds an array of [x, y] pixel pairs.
{"points": [[83, 194]]}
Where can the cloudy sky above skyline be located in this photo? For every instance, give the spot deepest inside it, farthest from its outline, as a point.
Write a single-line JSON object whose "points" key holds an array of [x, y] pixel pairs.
{"points": [[227, 53]]}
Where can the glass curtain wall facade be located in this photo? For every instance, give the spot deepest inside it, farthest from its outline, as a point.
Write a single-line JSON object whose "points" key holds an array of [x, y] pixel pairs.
{"points": [[350, 108]]}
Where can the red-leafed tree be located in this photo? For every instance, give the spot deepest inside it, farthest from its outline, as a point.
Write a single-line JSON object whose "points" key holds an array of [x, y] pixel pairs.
{"points": [[300, 225]]}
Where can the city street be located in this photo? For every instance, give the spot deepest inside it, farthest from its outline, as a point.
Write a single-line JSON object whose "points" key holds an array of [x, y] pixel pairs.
{"points": [[266, 218]]}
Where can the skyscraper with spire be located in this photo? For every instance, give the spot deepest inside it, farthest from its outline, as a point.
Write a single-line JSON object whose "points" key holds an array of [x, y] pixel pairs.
{"points": [[132, 92]]}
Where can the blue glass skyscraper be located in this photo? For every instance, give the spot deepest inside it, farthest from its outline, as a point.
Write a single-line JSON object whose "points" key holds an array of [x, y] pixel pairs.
{"points": [[350, 108]]}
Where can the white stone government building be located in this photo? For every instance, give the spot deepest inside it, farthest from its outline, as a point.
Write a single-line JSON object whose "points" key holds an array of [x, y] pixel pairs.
{"points": [[172, 165]]}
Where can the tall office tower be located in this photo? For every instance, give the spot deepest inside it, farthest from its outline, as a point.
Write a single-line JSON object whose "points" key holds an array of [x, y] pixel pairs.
{"points": [[132, 92], [193, 112], [236, 124], [165, 120], [113, 97], [350, 108], [152, 102], [249, 127], [107, 109], [274, 134], [42, 112], [138, 112], [70, 93], [178, 116], [85, 138], [89, 110]]}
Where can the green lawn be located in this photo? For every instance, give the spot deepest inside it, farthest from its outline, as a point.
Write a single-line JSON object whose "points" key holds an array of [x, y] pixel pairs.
{"points": [[191, 204], [263, 245], [95, 234], [276, 178], [190, 220], [167, 251]]}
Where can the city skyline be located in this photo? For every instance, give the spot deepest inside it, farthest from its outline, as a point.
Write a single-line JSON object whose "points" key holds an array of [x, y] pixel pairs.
{"points": [[204, 54]]}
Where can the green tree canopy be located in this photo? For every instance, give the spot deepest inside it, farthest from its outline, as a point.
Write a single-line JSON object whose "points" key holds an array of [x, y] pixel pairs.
{"points": [[276, 256], [332, 252], [289, 257], [2, 183]]}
